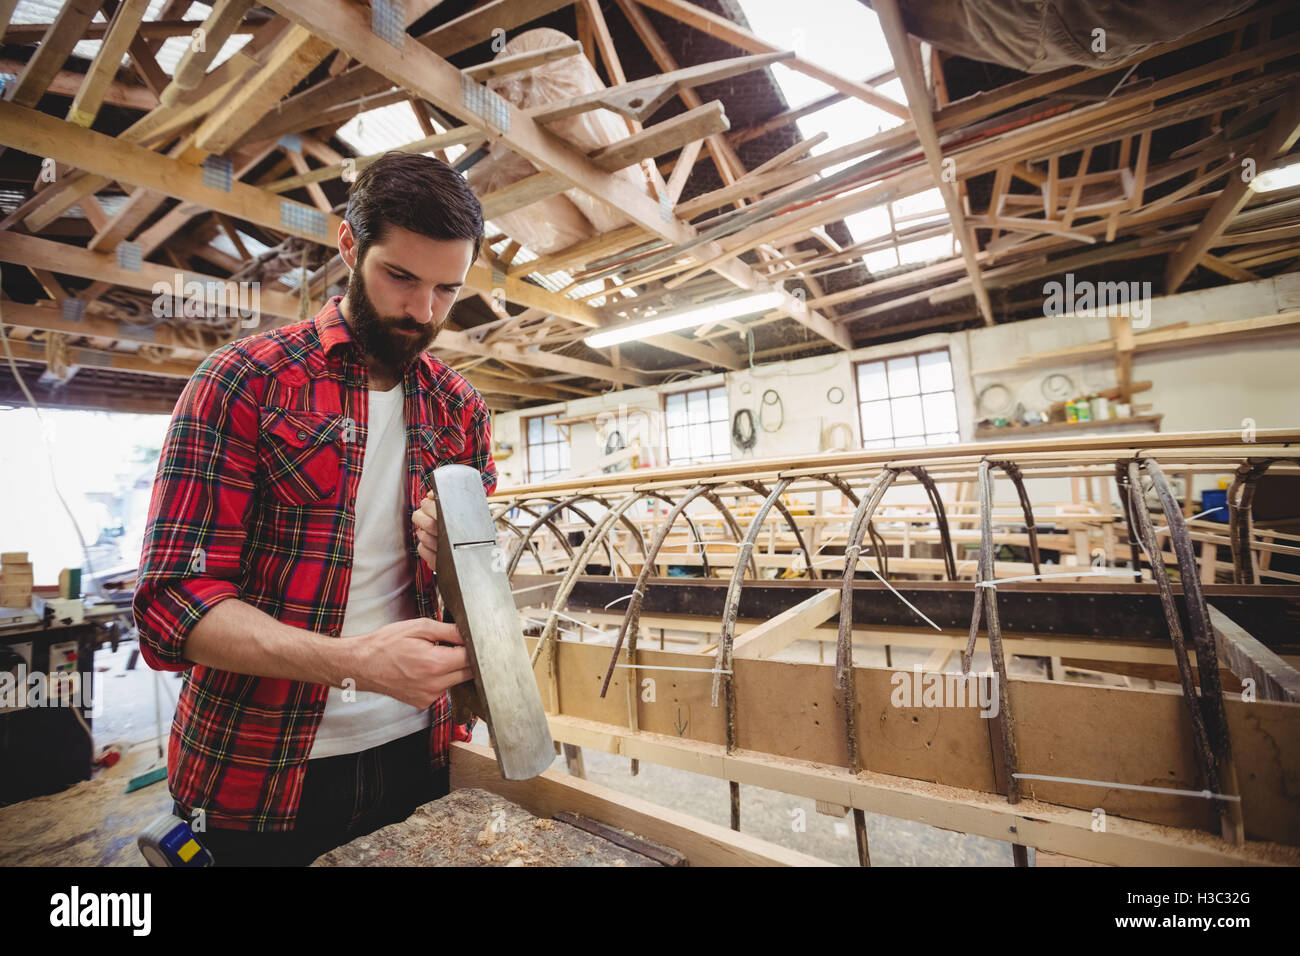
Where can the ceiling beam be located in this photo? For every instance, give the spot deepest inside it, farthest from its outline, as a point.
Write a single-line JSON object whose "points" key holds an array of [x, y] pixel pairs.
{"points": [[427, 75], [57, 41], [71, 260], [1276, 140], [462, 342], [295, 55], [42, 135], [85, 105], [738, 36], [309, 109], [918, 98]]}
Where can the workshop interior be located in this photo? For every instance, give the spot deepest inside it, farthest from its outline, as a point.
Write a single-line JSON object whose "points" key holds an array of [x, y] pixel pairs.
{"points": [[861, 434]]}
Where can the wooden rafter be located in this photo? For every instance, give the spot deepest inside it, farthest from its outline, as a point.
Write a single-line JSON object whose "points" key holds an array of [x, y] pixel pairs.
{"points": [[1276, 140], [909, 72]]}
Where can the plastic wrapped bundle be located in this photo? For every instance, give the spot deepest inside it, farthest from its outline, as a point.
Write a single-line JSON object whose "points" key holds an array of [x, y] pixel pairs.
{"points": [[562, 220]]}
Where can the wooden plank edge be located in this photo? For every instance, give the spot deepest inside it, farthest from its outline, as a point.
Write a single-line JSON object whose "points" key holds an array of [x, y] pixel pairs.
{"points": [[1044, 826], [703, 843]]}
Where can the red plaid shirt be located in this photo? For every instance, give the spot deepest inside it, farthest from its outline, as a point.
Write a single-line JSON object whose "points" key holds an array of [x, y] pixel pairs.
{"points": [[255, 498]]}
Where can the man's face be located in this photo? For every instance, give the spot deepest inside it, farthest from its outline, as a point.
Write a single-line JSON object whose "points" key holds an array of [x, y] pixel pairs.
{"points": [[401, 291]]}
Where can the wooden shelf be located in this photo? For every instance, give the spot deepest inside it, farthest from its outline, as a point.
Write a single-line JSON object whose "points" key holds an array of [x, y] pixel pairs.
{"points": [[1012, 432]]}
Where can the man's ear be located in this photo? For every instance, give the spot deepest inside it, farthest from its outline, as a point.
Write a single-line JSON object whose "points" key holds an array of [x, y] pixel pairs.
{"points": [[347, 245]]}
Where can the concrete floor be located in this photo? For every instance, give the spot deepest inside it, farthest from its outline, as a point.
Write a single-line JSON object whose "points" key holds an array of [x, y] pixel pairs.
{"points": [[95, 822]]}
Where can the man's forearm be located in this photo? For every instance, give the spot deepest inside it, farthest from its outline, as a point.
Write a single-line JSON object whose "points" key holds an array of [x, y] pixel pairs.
{"points": [[235, 636]]}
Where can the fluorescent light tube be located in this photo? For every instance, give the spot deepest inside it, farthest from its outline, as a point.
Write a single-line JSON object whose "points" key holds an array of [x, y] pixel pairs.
{"points": [[1279, 178], [688, 319]]}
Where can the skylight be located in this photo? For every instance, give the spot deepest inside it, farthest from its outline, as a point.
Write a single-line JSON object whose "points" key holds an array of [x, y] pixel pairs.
{"points": [[845, 37], [168, 55]]}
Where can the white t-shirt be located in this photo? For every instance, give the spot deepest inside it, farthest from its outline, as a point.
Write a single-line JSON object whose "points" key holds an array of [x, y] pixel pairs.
{"points": [[380, 591]]}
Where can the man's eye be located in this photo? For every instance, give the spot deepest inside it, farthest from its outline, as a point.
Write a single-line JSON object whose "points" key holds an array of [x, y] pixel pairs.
{"points": [[401, 278]]}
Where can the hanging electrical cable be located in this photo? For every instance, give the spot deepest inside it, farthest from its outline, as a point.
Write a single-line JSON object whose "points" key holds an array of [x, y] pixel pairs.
{"points": [[744, 436], [775, 400]]}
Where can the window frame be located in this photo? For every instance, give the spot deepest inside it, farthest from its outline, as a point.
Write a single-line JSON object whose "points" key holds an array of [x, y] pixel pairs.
{"points": [[663, 408], [893, 436], [529, 477]]}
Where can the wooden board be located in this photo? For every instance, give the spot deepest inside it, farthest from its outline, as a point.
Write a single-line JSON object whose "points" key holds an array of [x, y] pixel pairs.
{"points": [[703, 843], [1120, 735], [1042, 825]]}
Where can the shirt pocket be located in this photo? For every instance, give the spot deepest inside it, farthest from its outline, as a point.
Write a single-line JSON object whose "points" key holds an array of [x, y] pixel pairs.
{"points": [[301, 454], [439, 445]]}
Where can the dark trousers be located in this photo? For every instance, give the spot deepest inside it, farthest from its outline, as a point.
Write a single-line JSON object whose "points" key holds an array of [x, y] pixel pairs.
{"points": [[343, 798]]}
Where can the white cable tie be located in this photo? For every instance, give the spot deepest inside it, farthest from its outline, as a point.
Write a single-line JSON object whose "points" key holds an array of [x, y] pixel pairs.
{"points": [[905, 600], [569, 617], [1064, 574], [1204, 794], [1164, 527], [625, 597], [662, 667]]}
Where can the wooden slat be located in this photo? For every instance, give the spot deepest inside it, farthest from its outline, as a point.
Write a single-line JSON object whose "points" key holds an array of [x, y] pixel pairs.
{"points": [[220, 23], [661, 138], [703, 843], [55, 47], [295, 55], [69, 260], [773, 636], [1246, 657], [309, 108], [506, 65], [85, 106]]}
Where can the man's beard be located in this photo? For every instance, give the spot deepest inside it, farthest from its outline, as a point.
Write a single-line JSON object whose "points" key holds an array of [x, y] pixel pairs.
{"points": [[378, 335]]}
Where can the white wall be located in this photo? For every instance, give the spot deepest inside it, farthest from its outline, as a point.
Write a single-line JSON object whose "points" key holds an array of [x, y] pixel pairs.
{"points": [[1199, 388]]}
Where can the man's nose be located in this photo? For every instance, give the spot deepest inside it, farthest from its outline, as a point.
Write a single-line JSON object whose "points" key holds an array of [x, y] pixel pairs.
{"points": [[420, 307]]}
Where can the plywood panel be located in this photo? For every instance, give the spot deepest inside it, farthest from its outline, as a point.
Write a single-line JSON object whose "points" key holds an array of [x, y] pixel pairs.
{"points": [[682, 699], [940, 744], [1110, 734], [802, 718], [581, 670], [1266, 750]]}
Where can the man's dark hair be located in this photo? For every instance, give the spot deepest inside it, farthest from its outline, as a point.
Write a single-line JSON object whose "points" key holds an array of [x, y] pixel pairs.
{"points": [[414, 192]]}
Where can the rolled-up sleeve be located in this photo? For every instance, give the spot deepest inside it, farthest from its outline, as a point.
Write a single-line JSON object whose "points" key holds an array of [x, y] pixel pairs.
{"points": [[198, 513]]}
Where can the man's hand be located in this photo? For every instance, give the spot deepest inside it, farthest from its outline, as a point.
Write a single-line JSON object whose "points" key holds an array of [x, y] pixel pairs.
{"points": [[425, 519], [408, 660]]}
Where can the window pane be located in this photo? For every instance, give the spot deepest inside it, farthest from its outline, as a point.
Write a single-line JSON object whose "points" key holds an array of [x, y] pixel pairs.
{"points": [[902, 376], [912, 441], [534, 430], [718, 404], [697, 404], [871, 381], [677, 445], [675, 410], [936, 371], [721, 439], [907, 416], [549, 431], [875, 421], [947, 438], [879, 443], [699, 439], [940, 412], [535, 465], [552, 457]]}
